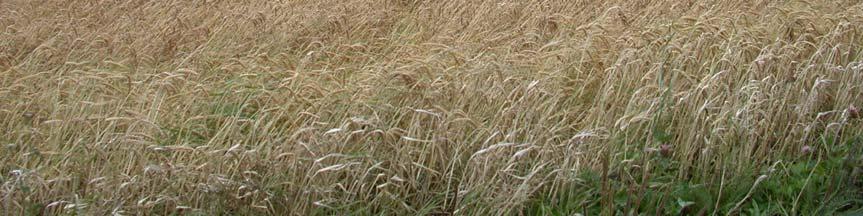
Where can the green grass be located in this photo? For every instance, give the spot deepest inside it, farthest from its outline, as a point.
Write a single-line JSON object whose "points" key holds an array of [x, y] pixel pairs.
{"points": [[823, 183]]}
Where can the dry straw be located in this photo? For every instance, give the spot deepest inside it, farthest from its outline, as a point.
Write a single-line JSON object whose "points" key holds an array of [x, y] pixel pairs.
{"points": [[400, 106]]}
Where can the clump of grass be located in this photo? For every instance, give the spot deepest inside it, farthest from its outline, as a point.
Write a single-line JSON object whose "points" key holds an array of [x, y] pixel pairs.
{"points": [[647, 184], [430, 107]]}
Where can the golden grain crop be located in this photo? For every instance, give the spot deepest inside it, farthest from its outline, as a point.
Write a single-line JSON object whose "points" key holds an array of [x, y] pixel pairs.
{"points": [[408, 106]]}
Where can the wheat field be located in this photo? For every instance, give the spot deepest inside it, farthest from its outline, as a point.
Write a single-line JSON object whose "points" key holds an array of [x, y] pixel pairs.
{"points": [[412, 107]]}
